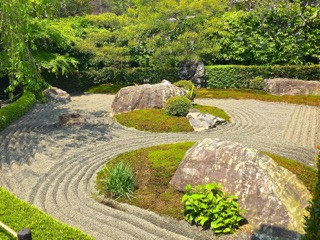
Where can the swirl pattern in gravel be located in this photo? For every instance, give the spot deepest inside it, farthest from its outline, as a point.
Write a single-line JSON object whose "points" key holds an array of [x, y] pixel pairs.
{"points": [[54, 167]]}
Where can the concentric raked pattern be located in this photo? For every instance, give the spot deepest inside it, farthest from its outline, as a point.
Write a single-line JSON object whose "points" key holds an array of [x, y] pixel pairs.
{"points": [[54, 167]]}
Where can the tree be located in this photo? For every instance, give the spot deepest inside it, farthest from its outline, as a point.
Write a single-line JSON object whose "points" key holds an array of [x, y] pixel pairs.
{"points": [[21, 28]]}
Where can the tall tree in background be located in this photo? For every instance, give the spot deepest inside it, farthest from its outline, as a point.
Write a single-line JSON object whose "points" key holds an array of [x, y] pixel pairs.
{"points": [[19, 27]]}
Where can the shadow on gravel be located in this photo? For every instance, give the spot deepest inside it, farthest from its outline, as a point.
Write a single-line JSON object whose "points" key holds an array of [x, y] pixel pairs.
{"points": [[272, 232], [40, 129]]}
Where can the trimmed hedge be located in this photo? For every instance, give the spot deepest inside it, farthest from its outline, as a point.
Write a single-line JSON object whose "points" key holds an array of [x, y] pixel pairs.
{"points": [[80, 81], [18, 214], [17, 109], [239, 76]]}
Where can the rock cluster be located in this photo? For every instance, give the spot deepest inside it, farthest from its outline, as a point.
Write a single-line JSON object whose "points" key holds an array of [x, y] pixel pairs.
{"points": [[284, 86], [274, 198]]}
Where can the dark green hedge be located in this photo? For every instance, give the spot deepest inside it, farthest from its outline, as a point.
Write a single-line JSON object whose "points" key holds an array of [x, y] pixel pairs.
{"points": [[78, 82], [133, 75], [238, 76], [17, 109]]}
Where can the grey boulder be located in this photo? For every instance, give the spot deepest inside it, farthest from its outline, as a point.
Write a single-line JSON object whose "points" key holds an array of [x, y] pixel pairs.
{"points": [[145, 96], [284, 86], [56, 95], [274, 198]]}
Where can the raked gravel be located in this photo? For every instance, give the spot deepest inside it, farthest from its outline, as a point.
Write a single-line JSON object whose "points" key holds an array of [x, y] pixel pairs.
{"points": [[54, 167]]}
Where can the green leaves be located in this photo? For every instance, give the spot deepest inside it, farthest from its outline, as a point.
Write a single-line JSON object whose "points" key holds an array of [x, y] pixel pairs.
{"points": [[209, 206]]}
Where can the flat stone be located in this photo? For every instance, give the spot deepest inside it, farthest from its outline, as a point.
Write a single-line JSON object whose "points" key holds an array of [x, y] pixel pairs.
{"points": [[203, 121]]}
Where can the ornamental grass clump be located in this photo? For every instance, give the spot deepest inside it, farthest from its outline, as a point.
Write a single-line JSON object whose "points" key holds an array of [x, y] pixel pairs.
{"points": [[209, 206], [120, 181], [189, 87], [178, 106]]}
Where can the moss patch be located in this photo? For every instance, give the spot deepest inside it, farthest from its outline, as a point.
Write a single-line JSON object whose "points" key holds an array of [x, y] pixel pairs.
{"points": [[154, 168], [107, 88], [256, 95], [18, 214], [157, 120]]}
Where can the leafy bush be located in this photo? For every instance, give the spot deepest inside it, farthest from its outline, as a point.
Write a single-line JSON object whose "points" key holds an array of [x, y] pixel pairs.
{"points": [[209, 206], [178, 106], [256, 83], [189, 87], [239, 76], [312, 222], [17, 109], [120, 180]]}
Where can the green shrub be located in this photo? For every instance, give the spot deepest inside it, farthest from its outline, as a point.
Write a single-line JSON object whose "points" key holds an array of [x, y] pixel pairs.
{"points": [[178, 106], [312, 222], [209, 206], [120, 181], [238, 76], [189, 87], [256, 83], [17, 109]]}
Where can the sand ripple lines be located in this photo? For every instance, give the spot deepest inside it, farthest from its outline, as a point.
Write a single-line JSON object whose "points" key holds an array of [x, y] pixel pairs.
{"points": [[303, 126]]}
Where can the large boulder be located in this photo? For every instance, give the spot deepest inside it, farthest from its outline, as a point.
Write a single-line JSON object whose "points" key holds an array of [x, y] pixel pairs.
{"points": [[285, 86], [274, 198], [145, 96], [193, 71], [203, 121], [56, 95]]}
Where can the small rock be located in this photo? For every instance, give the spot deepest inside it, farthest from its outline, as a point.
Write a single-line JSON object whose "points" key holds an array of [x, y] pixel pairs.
{"points": [[71, 119], [56, 95]]}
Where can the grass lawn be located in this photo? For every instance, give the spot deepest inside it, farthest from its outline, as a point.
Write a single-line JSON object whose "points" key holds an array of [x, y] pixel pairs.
{"points": [[18, 214], [155, 166]]}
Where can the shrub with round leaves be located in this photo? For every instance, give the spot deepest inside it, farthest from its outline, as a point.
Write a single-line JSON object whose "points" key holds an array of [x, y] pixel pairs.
{"points": [[189, 87], [178, 106], [209, 206]]}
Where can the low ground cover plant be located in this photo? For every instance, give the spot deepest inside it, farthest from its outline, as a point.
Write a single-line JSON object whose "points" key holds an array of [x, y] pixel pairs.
{"points": [[18, 214], [209, 206], [119, 180], [156, 120]]}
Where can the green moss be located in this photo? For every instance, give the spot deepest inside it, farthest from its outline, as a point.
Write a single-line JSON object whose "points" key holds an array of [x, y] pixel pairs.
{"points": [[18, 214], [154, 120], [153, 168], [257, 95]]}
